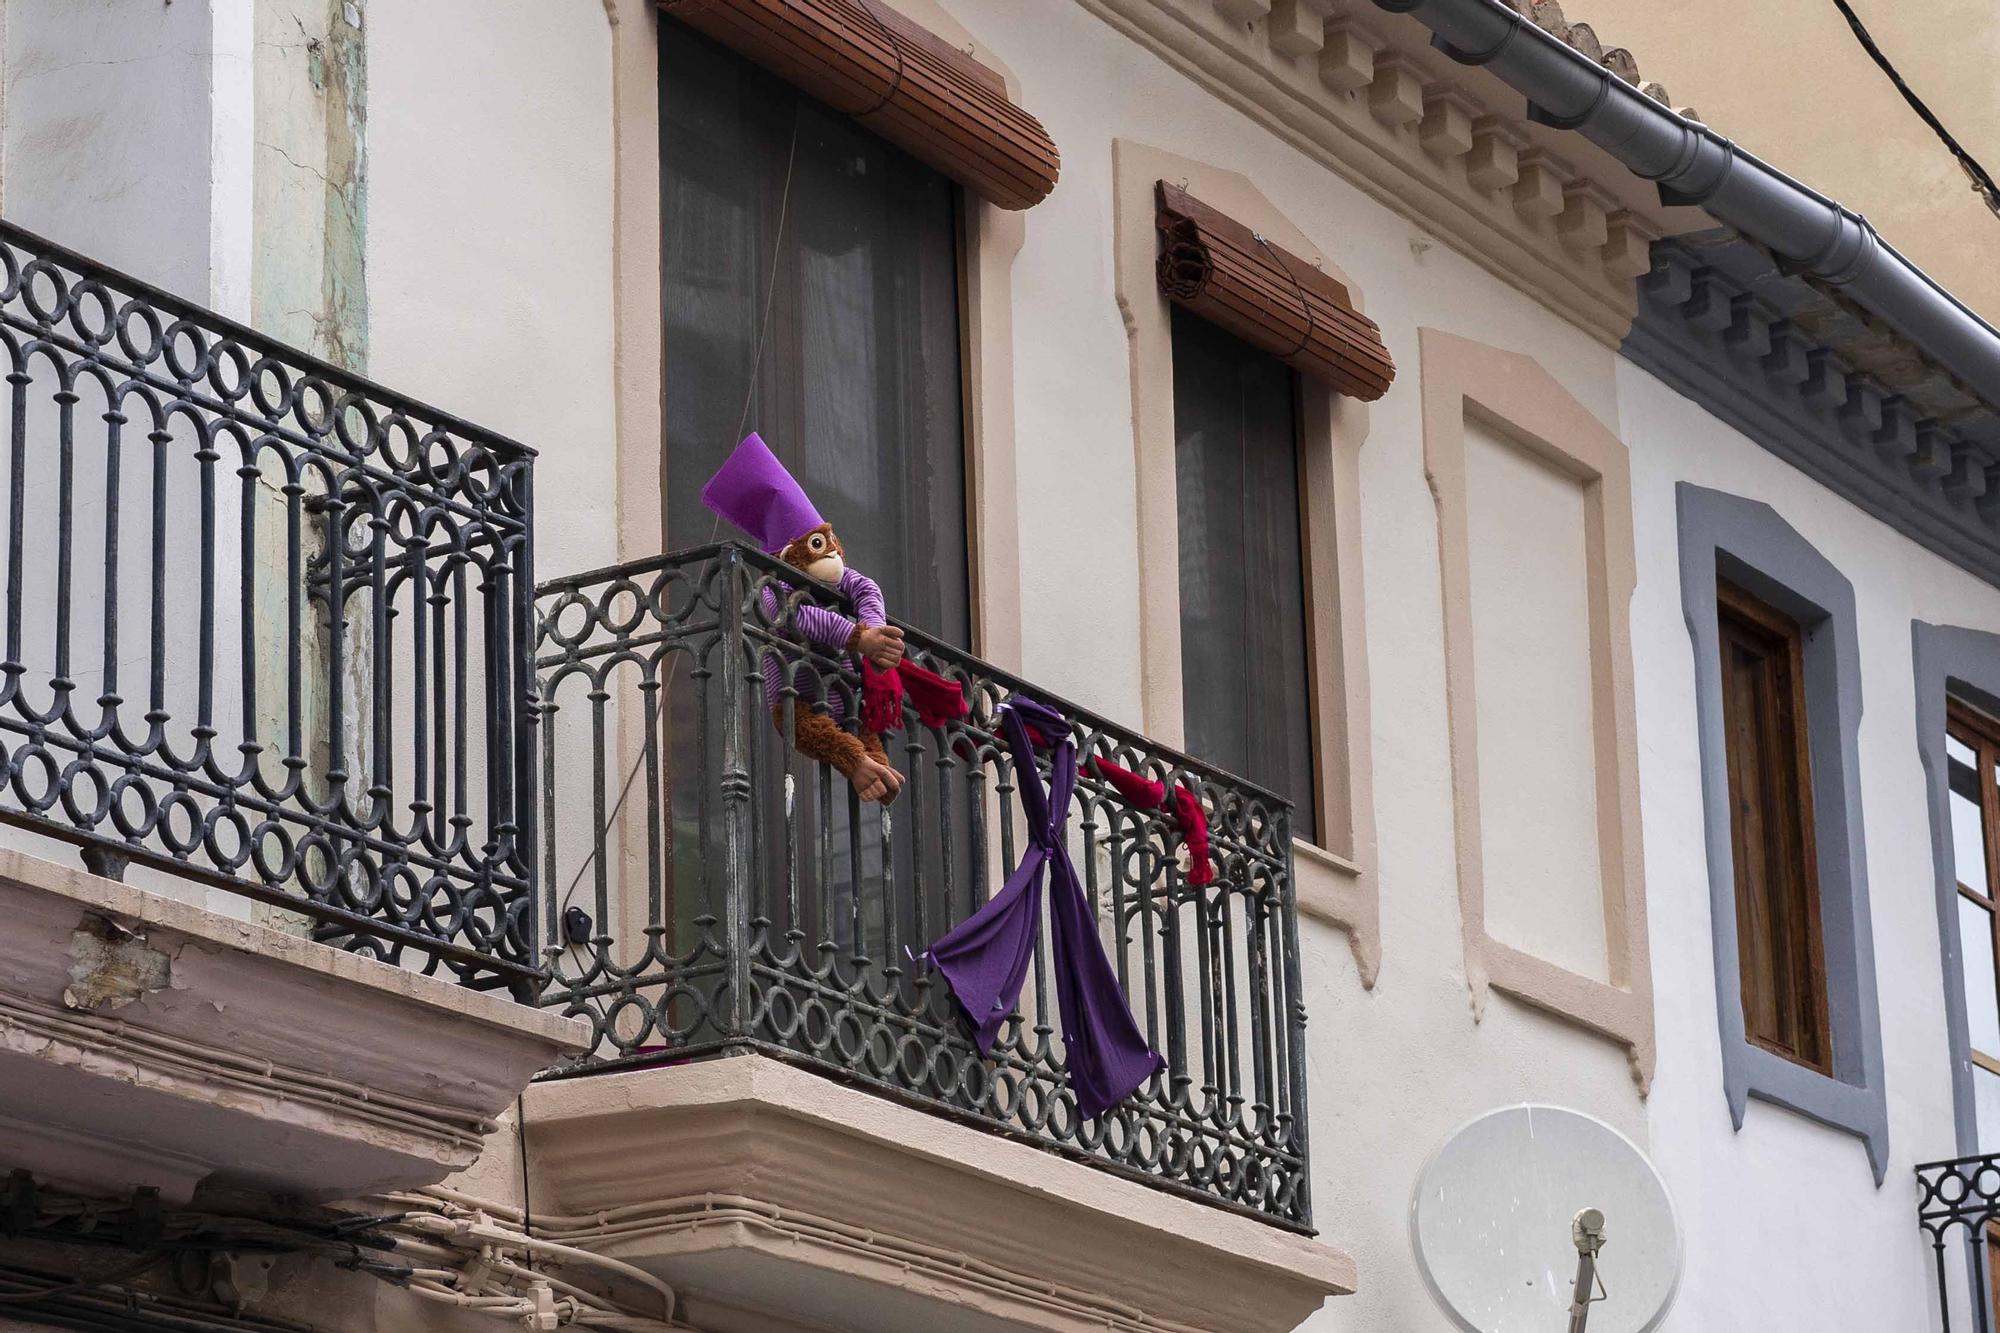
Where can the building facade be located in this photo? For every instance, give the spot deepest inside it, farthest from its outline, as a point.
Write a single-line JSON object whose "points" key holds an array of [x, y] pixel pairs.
{"points": [[1557, 557]]}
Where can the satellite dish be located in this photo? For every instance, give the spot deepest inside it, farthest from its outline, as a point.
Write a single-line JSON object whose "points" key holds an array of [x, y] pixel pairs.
{"points": [[1509, 1217]]}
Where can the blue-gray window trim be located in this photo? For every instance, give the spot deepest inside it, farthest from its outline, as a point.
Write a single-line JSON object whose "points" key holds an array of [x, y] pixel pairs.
{"points": [[1747, 542], [1950, 661]]}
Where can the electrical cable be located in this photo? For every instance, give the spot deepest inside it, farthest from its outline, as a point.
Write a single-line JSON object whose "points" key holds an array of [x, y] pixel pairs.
{"points": [[1298, 288], [521, 1142], [145, 1265], [749, 396], [1983, 183]]}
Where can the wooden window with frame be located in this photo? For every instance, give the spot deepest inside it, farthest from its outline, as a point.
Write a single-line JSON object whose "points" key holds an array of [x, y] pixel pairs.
{"points": [[1780, 951], [1972, 769], [1992, 1271]]}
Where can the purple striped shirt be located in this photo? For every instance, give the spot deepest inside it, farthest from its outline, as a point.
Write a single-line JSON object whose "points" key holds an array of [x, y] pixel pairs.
{"points": [[826, 629]]}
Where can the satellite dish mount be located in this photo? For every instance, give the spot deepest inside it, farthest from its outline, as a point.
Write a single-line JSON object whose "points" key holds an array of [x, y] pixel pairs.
{"points": [[1510, 1217], [1586, 1229]]}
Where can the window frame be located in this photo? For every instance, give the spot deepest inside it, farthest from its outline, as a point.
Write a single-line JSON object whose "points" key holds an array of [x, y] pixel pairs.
{"points": [[1781, 639], [1952, 664], [1512, 393], [1334, 880], [1746, 542], [991, 238]]}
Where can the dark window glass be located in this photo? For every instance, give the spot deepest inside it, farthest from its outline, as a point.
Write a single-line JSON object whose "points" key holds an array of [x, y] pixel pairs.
{"points": [[857, 388], [1246, 698], [1771, 830], [782, 215]]}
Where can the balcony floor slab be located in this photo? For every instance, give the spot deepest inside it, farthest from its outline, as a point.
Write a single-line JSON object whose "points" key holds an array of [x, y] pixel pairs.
{"points": [[144, 1041]]}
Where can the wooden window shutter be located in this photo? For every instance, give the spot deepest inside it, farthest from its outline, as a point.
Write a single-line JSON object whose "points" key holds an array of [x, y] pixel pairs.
{"points": [[1780, 950], [932, 101], [1221, 270]]}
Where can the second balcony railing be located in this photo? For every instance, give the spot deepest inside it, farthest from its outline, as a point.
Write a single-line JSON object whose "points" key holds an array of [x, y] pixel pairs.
{"points": [[266, 624], [1958, 1205], [709, 891]]}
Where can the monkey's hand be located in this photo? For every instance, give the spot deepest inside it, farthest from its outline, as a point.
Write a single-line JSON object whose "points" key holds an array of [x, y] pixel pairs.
{"points": [[882, 645]]}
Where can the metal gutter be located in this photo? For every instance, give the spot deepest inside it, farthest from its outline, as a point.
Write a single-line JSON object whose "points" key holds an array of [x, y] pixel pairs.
{"points": [[1693, 165]]}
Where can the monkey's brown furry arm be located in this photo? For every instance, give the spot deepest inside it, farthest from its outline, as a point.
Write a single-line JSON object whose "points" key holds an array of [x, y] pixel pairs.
{"points": [[820, 737]]}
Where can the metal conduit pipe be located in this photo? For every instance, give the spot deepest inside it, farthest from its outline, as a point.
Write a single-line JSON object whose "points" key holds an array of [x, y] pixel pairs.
{"points": [[1692, 164]]}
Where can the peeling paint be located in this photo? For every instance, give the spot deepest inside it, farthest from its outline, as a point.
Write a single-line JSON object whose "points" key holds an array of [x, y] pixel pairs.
{"points": [[111, 966], [344, 289], [311, 178]]}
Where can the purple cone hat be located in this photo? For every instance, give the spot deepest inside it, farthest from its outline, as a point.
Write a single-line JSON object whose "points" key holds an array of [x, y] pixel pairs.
{"points": [[753, 491]]}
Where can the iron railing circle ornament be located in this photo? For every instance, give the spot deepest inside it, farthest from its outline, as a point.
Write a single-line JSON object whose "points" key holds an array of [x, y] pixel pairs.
{"points": [[742, 899], [267, 625], [1959, 1199]]}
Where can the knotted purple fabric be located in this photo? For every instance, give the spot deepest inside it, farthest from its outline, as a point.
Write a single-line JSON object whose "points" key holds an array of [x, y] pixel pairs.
{"points": [[985, 958]]}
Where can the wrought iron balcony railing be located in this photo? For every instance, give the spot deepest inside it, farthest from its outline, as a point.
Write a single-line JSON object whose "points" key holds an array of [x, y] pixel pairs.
{"points": [[1959, 1200], [709, 891], [267, 625]]}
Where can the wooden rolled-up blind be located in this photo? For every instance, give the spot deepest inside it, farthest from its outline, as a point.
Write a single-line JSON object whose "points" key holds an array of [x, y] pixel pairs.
{"points": [[936, 103], [1221, 270]]}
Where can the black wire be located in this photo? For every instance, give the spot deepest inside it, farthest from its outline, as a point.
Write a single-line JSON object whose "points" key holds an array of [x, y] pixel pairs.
{"points": [[1982, 183], [749, 397], [145, 1265], [527, 1196]]}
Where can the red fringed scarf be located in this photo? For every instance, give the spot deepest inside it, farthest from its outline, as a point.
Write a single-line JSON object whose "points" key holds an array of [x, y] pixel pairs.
{"points": [[937, 699], [1146, 794]]}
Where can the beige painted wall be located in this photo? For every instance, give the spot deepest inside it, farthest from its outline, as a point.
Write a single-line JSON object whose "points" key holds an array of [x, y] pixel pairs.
{"points": [[1531, 685], [1787, 80]]}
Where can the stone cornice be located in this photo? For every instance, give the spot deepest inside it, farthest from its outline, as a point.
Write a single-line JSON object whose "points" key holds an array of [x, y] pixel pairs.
{"points": [[1447, 146], [1799, 374]]}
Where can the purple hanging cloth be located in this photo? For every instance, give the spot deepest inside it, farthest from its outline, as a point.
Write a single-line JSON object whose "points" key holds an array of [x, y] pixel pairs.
{"points": [[985, 957]]}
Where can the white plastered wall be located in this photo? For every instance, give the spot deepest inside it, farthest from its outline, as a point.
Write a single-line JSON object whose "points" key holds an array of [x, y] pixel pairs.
{"points": [[126, 135], [1532, 682], [489, 239], [1785, 1226]]}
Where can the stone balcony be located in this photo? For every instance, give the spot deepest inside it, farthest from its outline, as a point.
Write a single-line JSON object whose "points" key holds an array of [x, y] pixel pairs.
{"points": [[775, 1199], [145, 1042], [783, 1112], [264, 635]]}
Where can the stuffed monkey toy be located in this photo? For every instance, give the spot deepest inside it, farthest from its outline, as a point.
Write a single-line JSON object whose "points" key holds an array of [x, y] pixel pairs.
{"points": [[859, 755], [754, 491]]}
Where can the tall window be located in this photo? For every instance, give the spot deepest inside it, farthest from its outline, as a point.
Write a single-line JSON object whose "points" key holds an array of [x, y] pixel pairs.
{"points": [[1245, 679], [1972, 754], [1771, 830], [784, 216]]}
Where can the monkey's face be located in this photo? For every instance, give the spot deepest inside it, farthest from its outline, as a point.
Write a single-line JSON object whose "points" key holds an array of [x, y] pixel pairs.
{"points": [[819, 555]]}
